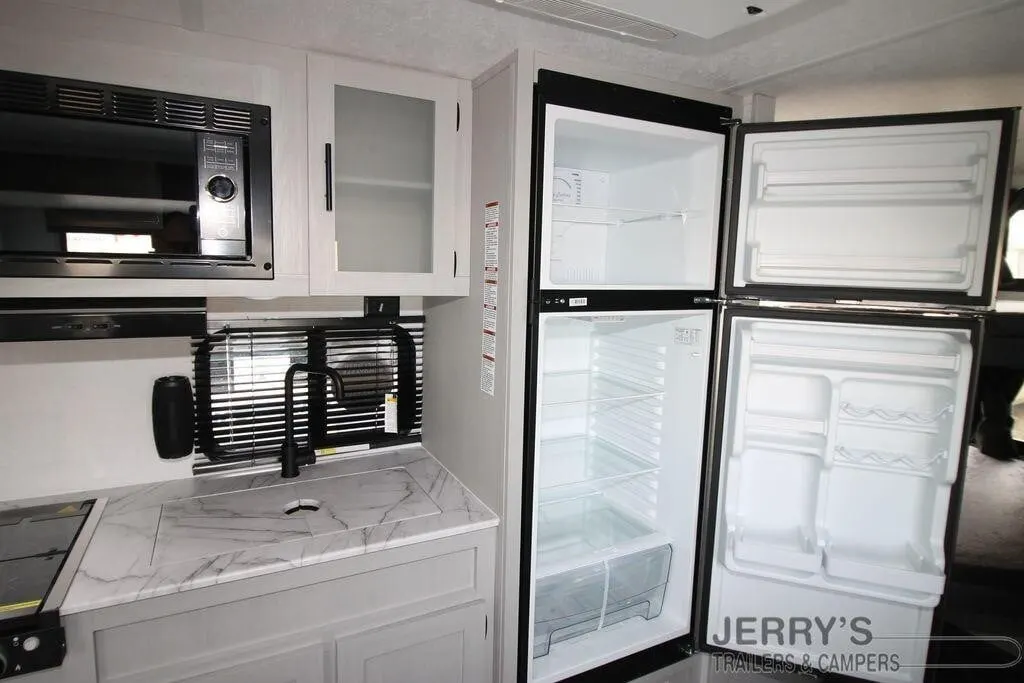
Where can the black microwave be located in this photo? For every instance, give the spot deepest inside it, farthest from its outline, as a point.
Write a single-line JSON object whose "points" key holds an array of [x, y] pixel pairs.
{"points": [[107, 181]]}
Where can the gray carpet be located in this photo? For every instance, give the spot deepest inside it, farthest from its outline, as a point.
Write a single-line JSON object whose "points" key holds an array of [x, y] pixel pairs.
{"points": [[991, 532]]}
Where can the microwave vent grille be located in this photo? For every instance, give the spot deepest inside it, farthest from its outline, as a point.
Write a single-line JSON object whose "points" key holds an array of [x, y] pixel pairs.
{"points": [[80, 100], [231, 119], [23, 92], [125, 105], [185, 112]]}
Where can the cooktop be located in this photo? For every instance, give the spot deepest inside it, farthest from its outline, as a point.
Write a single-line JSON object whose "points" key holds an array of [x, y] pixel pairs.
{"points": [[40, 548]]}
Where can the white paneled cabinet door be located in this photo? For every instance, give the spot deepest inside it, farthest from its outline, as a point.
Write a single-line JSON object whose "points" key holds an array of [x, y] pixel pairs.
{"points": [[302, 665], [449, 647], [389, 172]]}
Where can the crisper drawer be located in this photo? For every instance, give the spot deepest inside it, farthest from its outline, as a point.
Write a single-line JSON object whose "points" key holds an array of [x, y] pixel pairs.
{"points": [[588, 598]]}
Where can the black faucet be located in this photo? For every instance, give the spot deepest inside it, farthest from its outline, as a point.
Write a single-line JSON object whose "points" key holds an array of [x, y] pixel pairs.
{"points": [[292, 455]]}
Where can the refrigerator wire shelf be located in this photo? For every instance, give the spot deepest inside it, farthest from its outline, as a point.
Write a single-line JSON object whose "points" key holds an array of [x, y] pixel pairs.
{"points": [[891, 415], [903, 461]]}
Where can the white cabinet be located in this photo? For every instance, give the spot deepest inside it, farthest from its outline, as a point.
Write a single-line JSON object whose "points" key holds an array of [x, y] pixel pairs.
{"points": [[388, 179], [301, 665], [414, 613], [440, 648]]}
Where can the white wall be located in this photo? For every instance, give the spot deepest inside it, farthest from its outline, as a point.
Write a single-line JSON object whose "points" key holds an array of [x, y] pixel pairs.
{"points": [[75, 415], [902, 97]]}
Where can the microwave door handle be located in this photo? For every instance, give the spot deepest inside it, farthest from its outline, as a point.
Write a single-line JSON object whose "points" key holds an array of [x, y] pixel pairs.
{"points": [[329, 177]]}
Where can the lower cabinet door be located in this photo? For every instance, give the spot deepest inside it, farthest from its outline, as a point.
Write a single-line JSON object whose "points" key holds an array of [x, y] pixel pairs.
{"points": [[304, 665], [446, 647]]}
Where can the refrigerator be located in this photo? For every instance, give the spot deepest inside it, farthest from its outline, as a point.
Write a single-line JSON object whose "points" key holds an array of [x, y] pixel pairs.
{"points": [[751, 361]]}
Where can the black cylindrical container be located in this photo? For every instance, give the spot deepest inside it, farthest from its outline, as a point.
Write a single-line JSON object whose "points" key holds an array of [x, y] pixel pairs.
{"points": [[173, 416]]}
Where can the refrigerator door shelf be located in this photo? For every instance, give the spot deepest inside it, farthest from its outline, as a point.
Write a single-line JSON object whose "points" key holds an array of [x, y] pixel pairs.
{"points": [[900, 208], [794, 548], [628, 204], [905, 568]]}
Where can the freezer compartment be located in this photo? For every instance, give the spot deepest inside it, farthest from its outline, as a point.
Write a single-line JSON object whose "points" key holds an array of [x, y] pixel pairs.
{"points": [[873, 207], [628, 203], [586, 599], [842, 444]]}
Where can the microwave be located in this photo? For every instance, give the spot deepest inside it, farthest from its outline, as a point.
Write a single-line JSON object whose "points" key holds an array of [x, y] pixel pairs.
{"points": [[107, 181]]}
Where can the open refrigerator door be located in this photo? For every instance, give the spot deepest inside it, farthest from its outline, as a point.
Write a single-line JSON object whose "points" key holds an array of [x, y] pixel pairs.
{"points": [[898, 208], [840, 441], [617, 483]]}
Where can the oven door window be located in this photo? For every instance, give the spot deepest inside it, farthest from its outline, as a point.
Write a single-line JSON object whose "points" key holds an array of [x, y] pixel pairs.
{"points": [[78, 188]]}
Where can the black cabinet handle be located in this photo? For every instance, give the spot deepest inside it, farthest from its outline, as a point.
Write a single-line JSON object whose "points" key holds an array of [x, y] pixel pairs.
{"points": [[329, 176]]}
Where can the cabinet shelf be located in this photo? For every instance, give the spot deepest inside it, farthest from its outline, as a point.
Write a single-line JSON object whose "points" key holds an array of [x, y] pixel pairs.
{"points": [[384, 182]]}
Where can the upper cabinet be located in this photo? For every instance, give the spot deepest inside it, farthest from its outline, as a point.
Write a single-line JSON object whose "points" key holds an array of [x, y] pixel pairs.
{"points": [[388, 178]]}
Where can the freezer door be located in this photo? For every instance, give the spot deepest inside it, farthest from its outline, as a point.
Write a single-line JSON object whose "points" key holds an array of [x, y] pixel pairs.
{"points": [[628, 188], [838, 448], [899, 208], [617, 437]]}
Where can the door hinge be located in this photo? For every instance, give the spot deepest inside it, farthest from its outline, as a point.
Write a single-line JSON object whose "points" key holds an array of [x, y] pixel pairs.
{"points": [[458, 115], [707, 300], [729, 122]]}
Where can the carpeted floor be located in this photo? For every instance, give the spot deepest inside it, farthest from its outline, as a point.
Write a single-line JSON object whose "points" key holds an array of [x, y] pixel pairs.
{"points": [[991, 532]]}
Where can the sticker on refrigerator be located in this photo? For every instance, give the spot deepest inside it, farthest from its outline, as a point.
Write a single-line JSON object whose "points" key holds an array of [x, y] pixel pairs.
{"points": [[687, 336], [578, 187], [577, 301]]}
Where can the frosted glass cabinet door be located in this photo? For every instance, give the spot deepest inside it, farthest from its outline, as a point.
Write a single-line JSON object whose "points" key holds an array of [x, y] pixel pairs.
{"points": [[628, 203], [387, 160], [893, 208]]}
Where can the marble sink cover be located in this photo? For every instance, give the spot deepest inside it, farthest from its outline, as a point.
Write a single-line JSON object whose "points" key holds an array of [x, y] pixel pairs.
{"points": [[229, 522]]}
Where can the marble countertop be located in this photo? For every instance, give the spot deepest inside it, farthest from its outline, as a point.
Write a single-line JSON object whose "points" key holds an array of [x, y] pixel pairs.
{"points": [[174, 536]]}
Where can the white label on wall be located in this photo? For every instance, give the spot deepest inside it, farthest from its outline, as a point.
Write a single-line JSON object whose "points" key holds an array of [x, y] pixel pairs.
{"points": [[487, 377], [390, 413], [489, 313], [577, 301]]}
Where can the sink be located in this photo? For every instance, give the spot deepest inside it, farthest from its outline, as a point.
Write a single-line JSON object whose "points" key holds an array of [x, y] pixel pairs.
{"points": [[213, 525]]}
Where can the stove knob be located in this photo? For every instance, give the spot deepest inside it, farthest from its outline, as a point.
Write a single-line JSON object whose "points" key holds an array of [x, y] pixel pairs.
{"points": [[221, 188]]}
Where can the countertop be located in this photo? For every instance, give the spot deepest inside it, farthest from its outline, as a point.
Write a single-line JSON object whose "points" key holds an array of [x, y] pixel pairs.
{"points": [[174, 536]]}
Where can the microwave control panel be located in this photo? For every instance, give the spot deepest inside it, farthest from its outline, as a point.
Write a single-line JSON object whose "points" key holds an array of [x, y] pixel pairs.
{"points": [[221, 177]]}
